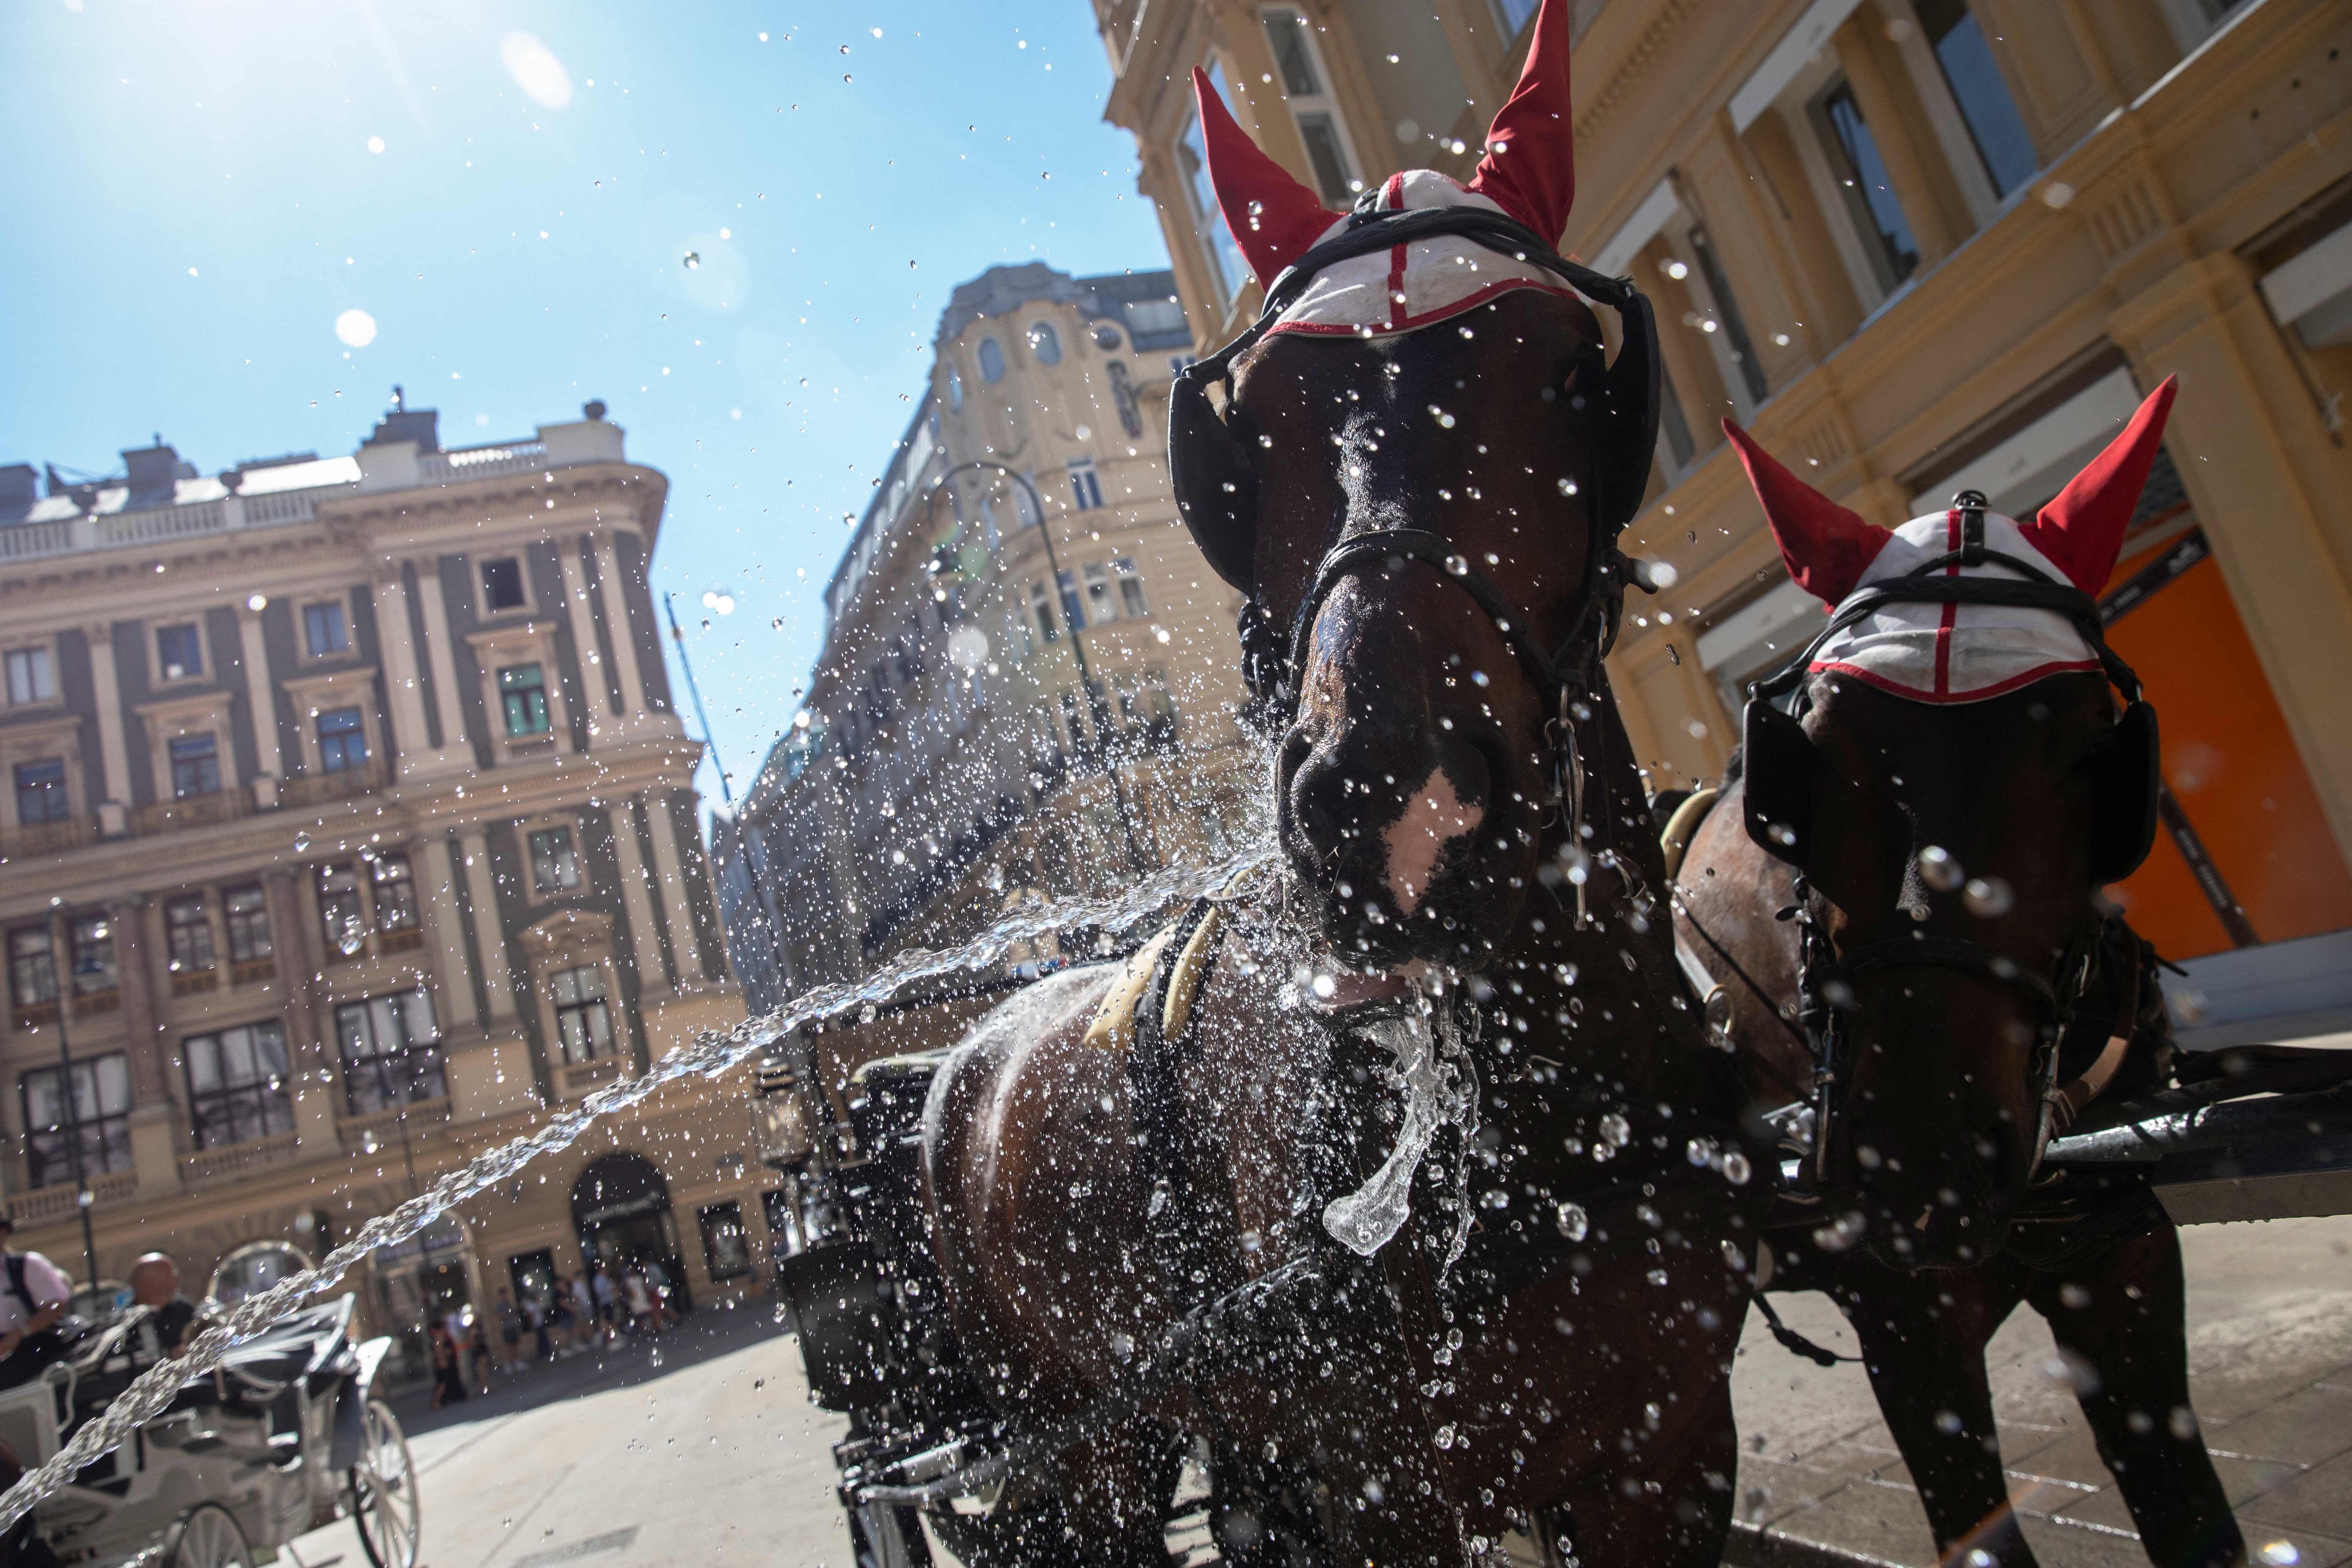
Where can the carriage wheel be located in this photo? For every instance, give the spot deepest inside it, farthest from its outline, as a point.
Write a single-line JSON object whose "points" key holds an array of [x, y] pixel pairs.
{"points": [[207, 1536], [380, 1491]]}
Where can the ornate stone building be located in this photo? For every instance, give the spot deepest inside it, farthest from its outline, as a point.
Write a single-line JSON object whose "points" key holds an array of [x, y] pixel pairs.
{"points": [[950, 760], [348, 828], [1918, 246]]}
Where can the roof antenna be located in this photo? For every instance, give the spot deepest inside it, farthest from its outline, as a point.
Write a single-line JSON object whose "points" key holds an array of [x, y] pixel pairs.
{"points": [[399, 401]]}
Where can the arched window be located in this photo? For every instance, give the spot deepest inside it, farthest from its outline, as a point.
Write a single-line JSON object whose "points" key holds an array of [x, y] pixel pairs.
{"points": [[1044, 343], [991, 360], [955, 388]]}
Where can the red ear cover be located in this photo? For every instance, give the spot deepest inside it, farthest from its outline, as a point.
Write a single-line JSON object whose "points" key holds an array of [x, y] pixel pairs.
{"points": [[2083, 529], [1273, 218], [1530, 167], [1825, 547]]}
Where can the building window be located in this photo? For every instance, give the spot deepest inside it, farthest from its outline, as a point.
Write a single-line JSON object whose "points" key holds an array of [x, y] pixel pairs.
{"points": [[1101, 605], [991, 360], [582, 1022], [1044, 343], [1073, 612], [726, 1249], [1861, 172], [1150, 316], [32, 676], [181, 652], [341, 921], [522, 691], [1085, 485], [188, 934], [343, 740], [1151, 711], [94, 970], [32, 967], [1738, 346], [1041, 610], [502, 587], [248, 912], [1131, 601], [394, 887], [1965, 56], [1227, 267], [195, 765], [1311, 105], [955, 388], [98, 1119], [237, 1085], [41, 792], [324, 630], [391, 1051], [554, 862]]}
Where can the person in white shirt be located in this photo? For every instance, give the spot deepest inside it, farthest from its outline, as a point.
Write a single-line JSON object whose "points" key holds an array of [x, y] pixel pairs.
{"points": [[34, 1293]]}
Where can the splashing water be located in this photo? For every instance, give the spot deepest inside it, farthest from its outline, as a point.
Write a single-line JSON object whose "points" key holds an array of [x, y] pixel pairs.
{"points": [[708, 1055], [1440, 1087]]}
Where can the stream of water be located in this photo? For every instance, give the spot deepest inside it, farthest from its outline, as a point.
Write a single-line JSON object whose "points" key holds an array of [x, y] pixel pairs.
{"points": [[708, 1054]]}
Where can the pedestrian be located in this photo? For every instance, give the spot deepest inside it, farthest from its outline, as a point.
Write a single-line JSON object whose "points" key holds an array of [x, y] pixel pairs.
{"points": [[534, 1312], [510, 1327], [448, 1379], [657, 1278], [454, 1323], [639, 1296], [481, 1341], [33, 1296], [583, 1312], [556, 1341], [607, 1306]]}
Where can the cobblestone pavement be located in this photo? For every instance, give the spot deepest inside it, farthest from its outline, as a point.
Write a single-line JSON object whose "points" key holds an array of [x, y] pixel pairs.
{"points": [[715, 1457], [2269, 1362]]}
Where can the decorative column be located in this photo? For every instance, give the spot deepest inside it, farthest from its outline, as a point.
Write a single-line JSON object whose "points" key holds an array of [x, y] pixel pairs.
{"points": [[617, 617], [260, 694], [154, 1113], [407, 703], [489, 931], [301, 957], [596, 706], [636, 897], [684, 948], [446, 701], [113, 791], [459, 1017]]}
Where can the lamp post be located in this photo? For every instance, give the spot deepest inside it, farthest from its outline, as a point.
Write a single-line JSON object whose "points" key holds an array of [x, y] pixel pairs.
{"points": [[84, 964], [1077, 647]]}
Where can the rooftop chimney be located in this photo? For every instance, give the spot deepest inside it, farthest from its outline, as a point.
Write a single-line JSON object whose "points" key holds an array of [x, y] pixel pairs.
{"points": [[20, 486], [153, 471], [422, 425]]}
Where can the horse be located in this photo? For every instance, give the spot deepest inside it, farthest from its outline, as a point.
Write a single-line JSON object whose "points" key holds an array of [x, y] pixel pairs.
{"points": [[1527, 1309], [1899, 900]]}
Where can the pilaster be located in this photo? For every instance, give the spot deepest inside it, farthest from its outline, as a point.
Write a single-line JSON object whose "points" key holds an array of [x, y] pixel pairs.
{"points": [[594, 701], [440, 655], [404, 692], [636, 898], [259, 694], [459, 1019], [684, 949], [295, 942], [114, 766], [489, 932], [617, 620]]}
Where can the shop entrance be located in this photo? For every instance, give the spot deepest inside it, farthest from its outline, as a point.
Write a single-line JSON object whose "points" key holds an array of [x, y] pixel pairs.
{"points": [[621, 1206]]}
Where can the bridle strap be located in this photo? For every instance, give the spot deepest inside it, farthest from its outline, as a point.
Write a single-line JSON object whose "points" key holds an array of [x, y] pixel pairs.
{"points": [[1394, 547], [1944, 953]]}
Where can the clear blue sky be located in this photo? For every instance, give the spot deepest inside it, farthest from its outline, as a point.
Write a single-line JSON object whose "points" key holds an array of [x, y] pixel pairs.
{"points": [[192, 200]]}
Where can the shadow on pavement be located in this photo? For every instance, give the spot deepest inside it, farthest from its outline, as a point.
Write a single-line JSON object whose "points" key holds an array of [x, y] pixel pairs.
{"points": [[709, 1333]]}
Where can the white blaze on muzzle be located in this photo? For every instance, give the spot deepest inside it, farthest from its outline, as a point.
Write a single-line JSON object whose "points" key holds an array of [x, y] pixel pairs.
{"points": [[1434, 817]]}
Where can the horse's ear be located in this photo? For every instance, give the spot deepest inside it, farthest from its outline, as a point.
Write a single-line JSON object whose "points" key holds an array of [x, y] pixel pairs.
{"points": [[1530, 166], [1273, 218], [1825, 547], [2083, 529], [1215, 484]]}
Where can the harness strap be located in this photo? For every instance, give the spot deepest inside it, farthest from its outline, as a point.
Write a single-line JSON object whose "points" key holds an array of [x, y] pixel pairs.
{"points": [[1942, 952], [1820, 1355]]}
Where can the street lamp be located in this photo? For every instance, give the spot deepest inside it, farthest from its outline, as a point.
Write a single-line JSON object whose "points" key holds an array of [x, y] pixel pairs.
{"points": [[1078, 649], [85, 964]]}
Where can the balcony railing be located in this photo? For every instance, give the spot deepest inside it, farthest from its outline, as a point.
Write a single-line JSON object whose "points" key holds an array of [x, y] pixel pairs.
{"points": [[119, 530], [424, 1119], [481, 462], [318, 788], [54, 1205], [45, 838], [191, 812], [236, 1159]]}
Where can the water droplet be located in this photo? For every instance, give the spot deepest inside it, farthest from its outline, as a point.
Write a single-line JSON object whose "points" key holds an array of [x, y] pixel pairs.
{"points": [[1573, 1221], [1940, 869], [1616, 1129], [1457, 566], [1987, 897], [693, 260], [1736, 1168]]}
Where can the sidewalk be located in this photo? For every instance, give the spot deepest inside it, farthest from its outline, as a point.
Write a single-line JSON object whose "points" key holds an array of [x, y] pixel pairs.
{"points": [[2269, 1358]]}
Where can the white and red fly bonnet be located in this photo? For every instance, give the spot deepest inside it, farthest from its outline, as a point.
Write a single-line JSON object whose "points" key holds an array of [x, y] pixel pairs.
{"points": [[1957, 652]]}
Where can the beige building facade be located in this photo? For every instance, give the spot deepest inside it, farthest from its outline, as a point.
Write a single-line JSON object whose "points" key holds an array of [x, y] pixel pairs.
{"points": [[348, 831], [1918, 245]]}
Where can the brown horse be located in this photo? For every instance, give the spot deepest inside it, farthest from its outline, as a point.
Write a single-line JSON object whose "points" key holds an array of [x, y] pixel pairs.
{"points": [[1941, 846], [1467, 917]]}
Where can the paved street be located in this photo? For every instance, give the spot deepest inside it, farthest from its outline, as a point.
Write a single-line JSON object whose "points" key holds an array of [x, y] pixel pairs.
{"points": [[714, 1457]]}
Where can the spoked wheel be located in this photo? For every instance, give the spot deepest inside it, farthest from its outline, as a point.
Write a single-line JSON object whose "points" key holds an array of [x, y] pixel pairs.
{"points": [[207, 1536], [382, 1492]]}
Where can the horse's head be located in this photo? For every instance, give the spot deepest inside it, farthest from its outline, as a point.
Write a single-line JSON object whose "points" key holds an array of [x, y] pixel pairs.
{"points": [[1416, 476], [1959, 789]]}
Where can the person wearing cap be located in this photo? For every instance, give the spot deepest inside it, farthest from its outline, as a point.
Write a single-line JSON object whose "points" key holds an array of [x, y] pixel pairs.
{"points": [[34, 1293]]}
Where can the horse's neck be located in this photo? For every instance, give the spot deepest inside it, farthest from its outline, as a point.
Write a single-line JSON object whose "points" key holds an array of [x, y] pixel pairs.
{"points": [[1599, 986]]}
